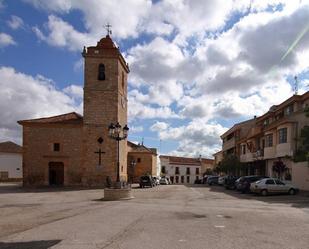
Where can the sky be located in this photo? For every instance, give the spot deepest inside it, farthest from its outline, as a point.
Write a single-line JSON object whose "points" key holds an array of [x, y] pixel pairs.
{"points": [[197, 66]]}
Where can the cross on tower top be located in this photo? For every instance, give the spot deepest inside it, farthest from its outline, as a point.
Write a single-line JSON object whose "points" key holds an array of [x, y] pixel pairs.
{"points": [[108, 27]]}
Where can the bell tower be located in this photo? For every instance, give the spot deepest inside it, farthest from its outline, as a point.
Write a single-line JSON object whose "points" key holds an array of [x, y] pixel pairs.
{"points": [[105, 102]]}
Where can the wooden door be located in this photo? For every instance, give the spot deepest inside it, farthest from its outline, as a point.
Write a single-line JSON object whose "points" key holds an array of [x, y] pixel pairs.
{"points": [[56, 173]]}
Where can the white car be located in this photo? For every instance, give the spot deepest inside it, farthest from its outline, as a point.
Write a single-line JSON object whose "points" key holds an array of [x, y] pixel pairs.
{"points": [[163, 181], [272, 185]]}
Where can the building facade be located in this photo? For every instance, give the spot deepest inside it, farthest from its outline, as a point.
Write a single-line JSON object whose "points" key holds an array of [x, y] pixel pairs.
{"points": [[10, 162], [70, 149], [274, 138], [141, 161], [218, 156], [183, 170], [268, 143]]}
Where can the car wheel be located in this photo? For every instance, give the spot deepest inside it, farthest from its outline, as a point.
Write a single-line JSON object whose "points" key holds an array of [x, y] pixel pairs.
{"points": [[292, 191], [264, 192]]}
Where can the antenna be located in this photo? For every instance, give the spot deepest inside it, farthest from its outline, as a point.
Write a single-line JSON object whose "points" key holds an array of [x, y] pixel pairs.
{"points": [[295, 85]]}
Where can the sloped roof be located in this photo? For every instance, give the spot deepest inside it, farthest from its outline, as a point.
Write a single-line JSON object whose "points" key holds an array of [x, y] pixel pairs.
{"points": [[285, 103], [237, 126], [10, 147], [187, 160], [141, 148], [68, 118]]}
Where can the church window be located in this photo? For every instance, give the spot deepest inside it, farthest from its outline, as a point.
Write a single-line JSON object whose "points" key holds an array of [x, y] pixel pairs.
{"points": [[56, 147], [101, 74], [138, 160]]}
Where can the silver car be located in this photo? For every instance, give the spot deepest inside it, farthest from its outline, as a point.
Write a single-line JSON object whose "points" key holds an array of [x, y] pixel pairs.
{"points": [[272, 185], [221, 180]]}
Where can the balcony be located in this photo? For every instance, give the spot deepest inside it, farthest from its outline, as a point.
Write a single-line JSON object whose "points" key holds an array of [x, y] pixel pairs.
{"points": [[229, 144], [269, 152], [252, 156], [284, 149], [248, 157]]}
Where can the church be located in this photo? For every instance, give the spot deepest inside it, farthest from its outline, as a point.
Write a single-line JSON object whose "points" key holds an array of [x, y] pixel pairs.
{"points": [[71, 149]]}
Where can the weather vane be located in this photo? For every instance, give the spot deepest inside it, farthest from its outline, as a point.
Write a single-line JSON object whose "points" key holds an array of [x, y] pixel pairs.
{"points": [[108, 27]]}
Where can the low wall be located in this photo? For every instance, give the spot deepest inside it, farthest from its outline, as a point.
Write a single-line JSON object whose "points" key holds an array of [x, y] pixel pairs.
{"points": [[300, 175]]}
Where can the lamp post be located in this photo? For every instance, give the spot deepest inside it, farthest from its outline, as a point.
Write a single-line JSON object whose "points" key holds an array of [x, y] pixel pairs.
{"points": [[118, 134]]}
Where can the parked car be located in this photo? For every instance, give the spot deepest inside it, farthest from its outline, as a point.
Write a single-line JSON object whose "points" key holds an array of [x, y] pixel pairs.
{"points": [[245, 182], [198, 181], [212, 180], [156, 180], [164, 181], [145, 181], [205, 179], [229, 182], [273, 186], [238, 183], [221, 180]]}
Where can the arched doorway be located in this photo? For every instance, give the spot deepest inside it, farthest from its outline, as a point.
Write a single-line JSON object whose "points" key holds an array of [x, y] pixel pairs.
{"points": [[56, 173]]}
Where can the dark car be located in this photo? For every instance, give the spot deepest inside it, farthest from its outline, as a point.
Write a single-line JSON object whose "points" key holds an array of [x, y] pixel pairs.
{"points": [[245, 182], [212, 180], [146, 181], [205, 179], [229, 182], [198, 181]]}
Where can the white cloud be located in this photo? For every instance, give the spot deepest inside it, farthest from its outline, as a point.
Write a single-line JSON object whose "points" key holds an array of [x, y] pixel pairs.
{"points": [[29, 97], [75, 91], [198, 137], [125, 15], [63, 34], [136, 129], [138, 110], [6, 40], [79, 65], [159, 126], [15, 22]]}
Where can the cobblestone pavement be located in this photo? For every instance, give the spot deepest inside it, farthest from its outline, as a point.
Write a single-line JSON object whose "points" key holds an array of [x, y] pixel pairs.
{"points": [[173, 216]]}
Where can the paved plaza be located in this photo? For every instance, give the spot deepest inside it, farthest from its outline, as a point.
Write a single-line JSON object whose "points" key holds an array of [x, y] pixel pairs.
{"points": [[172, 216]]}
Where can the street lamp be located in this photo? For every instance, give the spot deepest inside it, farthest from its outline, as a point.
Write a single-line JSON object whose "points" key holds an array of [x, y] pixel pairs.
{"points": [[118, 134]]}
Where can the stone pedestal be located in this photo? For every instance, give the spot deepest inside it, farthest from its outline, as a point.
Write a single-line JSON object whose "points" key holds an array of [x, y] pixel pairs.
{"points": [[114, 194]]}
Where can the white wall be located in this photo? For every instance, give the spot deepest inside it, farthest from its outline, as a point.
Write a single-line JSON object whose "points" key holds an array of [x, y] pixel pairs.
{"points": [[300, 175], [171, 169], [10, 162]]}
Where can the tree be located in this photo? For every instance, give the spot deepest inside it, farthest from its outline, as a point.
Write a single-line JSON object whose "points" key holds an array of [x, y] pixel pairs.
{"points": [[230, 164], [279, 167]]}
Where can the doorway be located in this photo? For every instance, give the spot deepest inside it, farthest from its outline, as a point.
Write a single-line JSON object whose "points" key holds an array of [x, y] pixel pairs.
{"points": [[56, 173]]}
